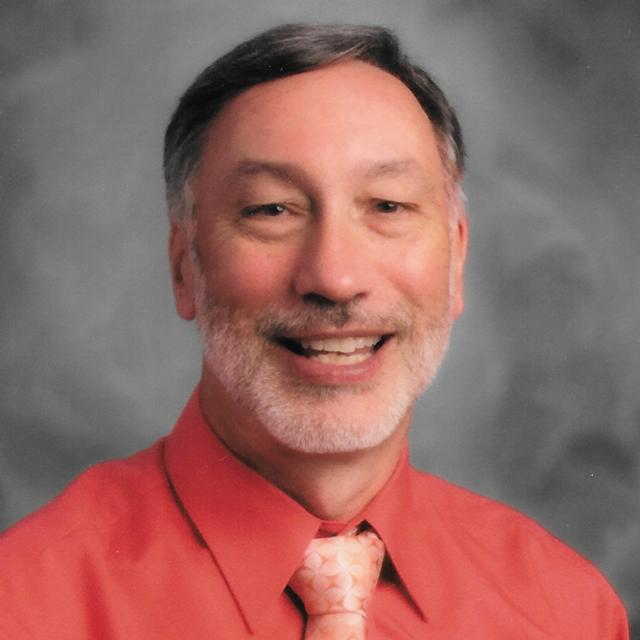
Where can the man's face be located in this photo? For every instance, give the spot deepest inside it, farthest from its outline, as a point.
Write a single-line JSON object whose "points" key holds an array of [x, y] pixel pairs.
{"points": [[327, 266]]}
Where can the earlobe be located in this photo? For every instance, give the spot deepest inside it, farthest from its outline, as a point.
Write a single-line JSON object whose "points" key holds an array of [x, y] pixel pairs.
{"points": [[181, 271]]}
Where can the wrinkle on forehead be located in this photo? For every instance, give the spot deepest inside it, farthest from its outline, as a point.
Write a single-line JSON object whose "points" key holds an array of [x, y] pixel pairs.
{"points": [[293, 173]]}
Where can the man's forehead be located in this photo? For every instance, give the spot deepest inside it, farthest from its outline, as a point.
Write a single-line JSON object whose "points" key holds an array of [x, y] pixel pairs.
{"points": [[347, 120], [336, 91]]}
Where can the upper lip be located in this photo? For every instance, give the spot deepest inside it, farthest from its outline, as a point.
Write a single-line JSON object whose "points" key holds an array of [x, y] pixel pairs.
{"points": [[337, 335]]}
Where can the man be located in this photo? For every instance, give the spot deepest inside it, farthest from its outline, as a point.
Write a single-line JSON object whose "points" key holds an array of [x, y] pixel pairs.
{"points": [[318, 237]]}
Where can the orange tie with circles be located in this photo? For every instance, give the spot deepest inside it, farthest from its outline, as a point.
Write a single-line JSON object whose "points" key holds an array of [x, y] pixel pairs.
{"points": [[335, 583]]}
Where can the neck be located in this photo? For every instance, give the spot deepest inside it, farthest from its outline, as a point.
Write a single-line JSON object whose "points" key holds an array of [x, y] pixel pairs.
{"points": [[333, 487]]}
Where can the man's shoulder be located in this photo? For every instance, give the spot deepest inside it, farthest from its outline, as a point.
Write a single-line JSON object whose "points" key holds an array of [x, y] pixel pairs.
{"points": [[499, 545], [493, 525], [97, 555], [104, 499]]}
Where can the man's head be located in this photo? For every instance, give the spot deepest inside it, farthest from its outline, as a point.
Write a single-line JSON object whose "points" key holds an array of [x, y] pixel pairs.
{"points": [[317, 234]]}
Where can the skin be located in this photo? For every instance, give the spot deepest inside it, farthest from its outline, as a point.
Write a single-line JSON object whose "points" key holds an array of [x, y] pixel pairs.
{"points": [[337, 148]]}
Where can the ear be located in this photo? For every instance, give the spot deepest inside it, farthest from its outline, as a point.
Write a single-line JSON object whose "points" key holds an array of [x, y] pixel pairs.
{"points": [[182, 275], [460, 239]]}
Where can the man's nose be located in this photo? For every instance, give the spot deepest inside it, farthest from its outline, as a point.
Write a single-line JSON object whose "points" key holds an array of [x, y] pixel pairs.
{"points": [[335, 263]]}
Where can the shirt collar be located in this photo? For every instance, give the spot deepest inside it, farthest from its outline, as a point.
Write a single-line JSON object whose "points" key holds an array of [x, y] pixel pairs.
{"points": [[402, 526], [248, 522]]}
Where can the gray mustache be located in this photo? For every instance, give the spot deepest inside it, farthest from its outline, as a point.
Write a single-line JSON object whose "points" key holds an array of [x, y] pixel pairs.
{"points": [[279, 322]]}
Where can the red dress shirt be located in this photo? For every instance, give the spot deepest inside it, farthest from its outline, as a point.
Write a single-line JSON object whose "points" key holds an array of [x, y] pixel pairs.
{"points": [[185, 541]]}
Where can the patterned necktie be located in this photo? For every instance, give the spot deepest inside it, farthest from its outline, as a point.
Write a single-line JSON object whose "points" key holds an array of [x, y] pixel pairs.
{"points": [[335, 583]]}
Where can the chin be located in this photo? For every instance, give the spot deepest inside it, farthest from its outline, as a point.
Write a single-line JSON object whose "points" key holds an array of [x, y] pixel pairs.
{"points": [[315, 430], [322, 420]]}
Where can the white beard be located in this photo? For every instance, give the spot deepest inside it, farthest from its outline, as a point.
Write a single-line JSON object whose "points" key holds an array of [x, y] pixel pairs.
{"points": [[317, 418]]}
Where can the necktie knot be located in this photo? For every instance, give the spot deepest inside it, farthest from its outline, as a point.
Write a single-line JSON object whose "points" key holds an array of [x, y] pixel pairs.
{"points": [[335, 582]]}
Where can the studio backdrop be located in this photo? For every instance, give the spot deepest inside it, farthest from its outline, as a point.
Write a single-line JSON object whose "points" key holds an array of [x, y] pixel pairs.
{"points": [[538, 402]]}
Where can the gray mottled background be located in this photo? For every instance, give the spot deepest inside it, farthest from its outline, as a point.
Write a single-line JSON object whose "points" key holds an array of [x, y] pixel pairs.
{"points": [[538, 403]]}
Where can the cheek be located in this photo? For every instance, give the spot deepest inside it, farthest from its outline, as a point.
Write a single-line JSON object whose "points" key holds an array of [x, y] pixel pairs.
{"points": [[421, 272], [244, 277]]}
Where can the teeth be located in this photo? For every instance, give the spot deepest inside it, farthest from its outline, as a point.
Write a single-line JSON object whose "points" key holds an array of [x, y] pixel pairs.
{"points": [[340, 345], [334, 358]]}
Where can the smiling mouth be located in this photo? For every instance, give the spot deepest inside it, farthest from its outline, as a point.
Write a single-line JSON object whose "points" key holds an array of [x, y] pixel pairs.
{"points": [[342, 351]]}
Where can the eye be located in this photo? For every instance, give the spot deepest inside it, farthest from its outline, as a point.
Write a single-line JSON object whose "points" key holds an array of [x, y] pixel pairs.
{"points": [[387, 206], [272, 210]]}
